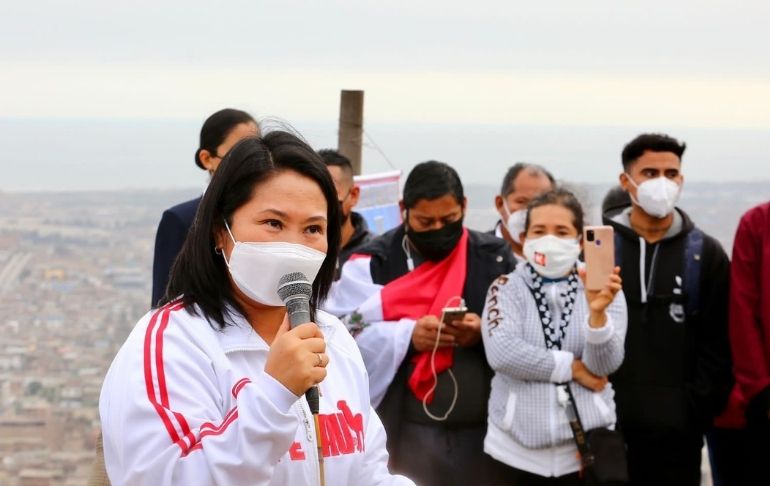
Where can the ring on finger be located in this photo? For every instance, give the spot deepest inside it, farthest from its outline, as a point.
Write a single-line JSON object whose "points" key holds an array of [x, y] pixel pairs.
{"points": [[320, 359]]}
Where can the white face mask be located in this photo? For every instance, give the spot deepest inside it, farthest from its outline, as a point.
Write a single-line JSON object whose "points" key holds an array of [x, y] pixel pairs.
{"points": [[256, 267], [551, 256], [656, 196], [515, 222]]}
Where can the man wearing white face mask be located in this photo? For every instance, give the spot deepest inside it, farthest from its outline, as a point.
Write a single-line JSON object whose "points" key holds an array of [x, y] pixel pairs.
{"points": [[676, 375], [522, 183]]}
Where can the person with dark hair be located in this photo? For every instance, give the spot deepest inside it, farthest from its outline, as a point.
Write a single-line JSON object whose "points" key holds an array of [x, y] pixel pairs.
{"points": [[616, 197], [220, 131], [676, 375], [206, 389], [522, 183], [355, 232], [548, 338], [428, 376]]}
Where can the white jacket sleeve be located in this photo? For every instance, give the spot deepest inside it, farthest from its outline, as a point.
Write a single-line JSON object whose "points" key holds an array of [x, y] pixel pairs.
{"points": [[383, 344], [506, 351], [375, 468], [605, 347], [353, 288], [165, 421]]}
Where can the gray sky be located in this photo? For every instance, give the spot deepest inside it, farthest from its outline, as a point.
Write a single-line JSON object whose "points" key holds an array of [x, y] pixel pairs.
{"points": [[606, 62], [559, 82]]}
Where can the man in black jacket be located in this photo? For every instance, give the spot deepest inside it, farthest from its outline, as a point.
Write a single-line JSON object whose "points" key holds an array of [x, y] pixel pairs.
{"points": [[676, 375], [392, 295]]}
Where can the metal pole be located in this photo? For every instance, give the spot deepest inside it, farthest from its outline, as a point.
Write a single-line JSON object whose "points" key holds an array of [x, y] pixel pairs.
{"points": [[351, 128]]}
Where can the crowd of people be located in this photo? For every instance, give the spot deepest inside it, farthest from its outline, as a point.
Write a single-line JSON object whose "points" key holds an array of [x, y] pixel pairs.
{"points": [[443, 355]]}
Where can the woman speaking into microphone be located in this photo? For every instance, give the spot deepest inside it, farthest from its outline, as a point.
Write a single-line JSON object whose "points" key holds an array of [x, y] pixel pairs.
{"points": [[207, 389]]}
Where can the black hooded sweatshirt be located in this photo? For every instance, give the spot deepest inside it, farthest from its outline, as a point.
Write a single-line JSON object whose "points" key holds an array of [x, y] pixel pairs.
{"points": [[676, 374]]}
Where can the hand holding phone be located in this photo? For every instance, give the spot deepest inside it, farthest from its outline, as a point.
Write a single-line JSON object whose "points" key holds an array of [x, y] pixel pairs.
{"points": [[599, 252], [451, 314]]}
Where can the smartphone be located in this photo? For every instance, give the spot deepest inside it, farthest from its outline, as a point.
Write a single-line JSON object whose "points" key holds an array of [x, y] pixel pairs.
{"points": [[451, 314], [599, 252]]}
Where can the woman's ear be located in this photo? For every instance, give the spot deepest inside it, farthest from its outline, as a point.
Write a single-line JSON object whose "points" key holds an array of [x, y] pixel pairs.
{"points": [[223, 243], [207, 161]]}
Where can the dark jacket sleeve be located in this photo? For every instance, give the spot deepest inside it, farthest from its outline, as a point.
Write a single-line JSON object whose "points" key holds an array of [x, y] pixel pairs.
{"points": [[712, 378], [168, 242], [746, 332]]}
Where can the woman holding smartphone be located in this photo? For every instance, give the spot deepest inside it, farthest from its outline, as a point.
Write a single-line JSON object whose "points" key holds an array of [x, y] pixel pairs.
{"points": [[541, 328]]}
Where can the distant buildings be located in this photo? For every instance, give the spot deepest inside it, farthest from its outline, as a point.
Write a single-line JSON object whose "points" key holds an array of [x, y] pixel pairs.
{"points": [[75, 277]]}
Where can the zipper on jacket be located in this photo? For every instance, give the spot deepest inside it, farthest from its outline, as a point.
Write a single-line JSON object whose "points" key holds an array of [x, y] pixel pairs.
{"points": [[307, 421]]}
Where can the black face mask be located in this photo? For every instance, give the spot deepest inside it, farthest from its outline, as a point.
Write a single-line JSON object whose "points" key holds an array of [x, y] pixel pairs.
{"points": [[343, 217], [435, 245]]}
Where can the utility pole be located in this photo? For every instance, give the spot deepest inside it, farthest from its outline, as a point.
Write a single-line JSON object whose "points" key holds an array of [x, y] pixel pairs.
{"points": [[351, 128]]}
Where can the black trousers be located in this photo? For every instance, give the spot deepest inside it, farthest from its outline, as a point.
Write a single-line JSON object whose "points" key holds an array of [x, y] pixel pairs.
{"points": [[740, 457], [505, 475], [441, 456], [672, 459]]}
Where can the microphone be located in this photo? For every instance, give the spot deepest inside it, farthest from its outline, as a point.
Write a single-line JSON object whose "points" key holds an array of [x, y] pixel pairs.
{"points": [[295, 291]]}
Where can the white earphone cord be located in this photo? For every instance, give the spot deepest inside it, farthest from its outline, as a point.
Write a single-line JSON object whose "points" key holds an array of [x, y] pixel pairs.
{"points": [[435, 375]]}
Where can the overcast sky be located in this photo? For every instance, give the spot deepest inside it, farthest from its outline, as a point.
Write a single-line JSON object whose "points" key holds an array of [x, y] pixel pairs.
{"points": [[608, 62], [561, 82]]}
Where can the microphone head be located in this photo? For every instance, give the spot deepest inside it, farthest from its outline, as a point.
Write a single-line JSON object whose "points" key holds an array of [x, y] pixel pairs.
{"points": [[294, 285]]}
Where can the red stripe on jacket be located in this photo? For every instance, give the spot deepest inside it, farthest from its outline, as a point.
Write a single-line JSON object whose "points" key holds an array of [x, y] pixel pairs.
{"points": [[187, 442], [163, 312]]}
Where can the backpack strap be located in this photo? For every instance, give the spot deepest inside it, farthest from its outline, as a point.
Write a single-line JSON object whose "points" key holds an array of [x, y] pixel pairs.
{"points": [[618, 248], [693, 255]]}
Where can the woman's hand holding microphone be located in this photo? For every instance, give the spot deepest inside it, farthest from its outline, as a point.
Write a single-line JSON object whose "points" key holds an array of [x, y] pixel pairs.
{"points": [[297, 357]]}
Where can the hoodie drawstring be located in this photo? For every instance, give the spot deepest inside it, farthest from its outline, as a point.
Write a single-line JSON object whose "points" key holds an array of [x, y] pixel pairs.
{"points": [[642, 261], [646, 283]]}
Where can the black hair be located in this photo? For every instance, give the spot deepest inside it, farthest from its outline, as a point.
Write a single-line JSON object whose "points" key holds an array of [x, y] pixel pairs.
{"points": [[333, 158], [653, 142], [430, 180], [615, 197], [217, 127], [516, 169], [558, 197], [199, 274]]}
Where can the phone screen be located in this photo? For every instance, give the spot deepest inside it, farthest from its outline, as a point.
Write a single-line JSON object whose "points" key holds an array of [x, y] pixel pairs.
{"points": [[451, 314]]}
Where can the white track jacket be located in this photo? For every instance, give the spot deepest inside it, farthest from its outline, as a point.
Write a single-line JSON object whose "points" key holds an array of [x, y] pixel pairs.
{"points": [[185, 404]]}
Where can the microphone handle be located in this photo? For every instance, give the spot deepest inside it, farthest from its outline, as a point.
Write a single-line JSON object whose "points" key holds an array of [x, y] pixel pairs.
{"points": [[311, 395], [298, 309], [299, 313]]}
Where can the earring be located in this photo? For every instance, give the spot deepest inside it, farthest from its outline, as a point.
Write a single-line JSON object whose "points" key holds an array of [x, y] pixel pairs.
{"points": [[217, 250]]}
